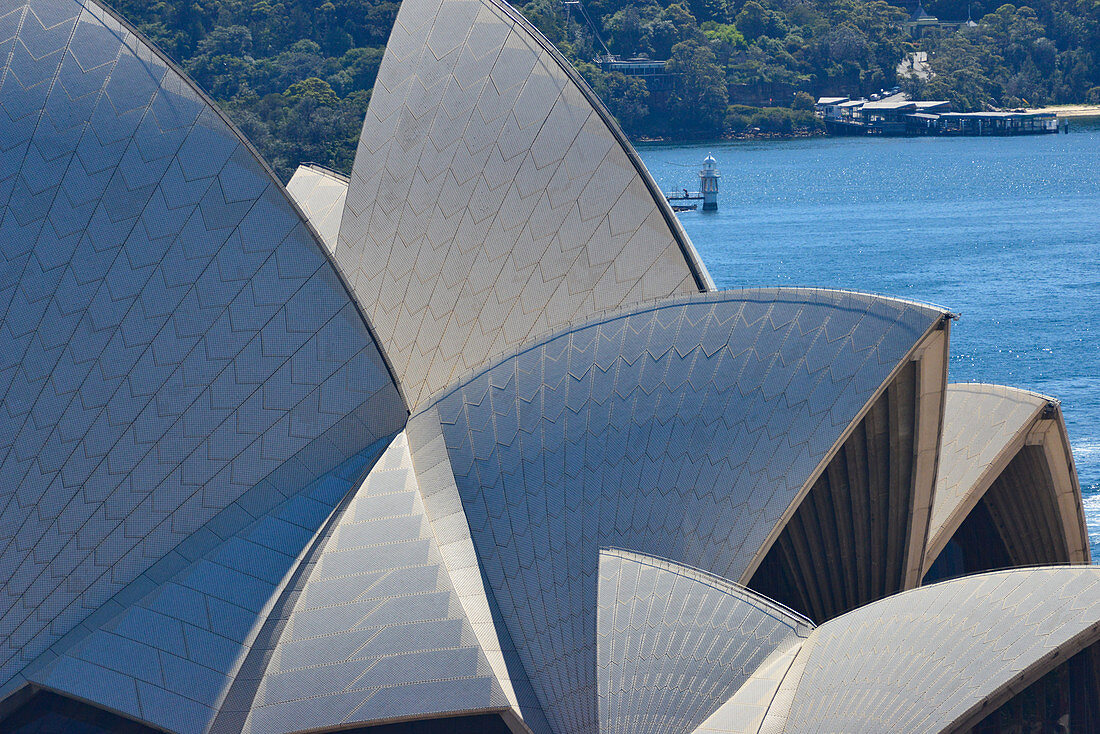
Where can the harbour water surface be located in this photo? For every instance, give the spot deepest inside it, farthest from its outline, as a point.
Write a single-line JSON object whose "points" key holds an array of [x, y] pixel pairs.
{"points": [[1003, 231]]}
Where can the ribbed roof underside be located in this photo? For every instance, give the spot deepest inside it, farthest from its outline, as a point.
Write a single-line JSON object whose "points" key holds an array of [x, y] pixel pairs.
{"points": [[684, 431], [490, 201], [212, 520], [849, 542], [980, 421], [1006, 466], [172, 335], [674, 643], [922, 660]]}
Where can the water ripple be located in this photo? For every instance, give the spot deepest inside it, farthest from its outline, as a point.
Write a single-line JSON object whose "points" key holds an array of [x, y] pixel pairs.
{"points": [[1005, 231]]}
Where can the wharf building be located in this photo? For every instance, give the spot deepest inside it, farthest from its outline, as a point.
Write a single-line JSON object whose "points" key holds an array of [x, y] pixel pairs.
{"points": [[898, 115], [470, 442]]}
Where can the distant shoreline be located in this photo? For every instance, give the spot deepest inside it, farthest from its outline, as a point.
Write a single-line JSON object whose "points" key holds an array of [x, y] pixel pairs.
{"points": [[1066, 111], [736, 136], [1071, 110]]}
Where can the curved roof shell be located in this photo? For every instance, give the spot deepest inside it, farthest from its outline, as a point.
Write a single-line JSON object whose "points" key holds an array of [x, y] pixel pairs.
{"points": [[673, 643], [211, 520], [992, 434], [375, 629], [176, 344], [940, 657], [493, 198], [175, 649], [757, 700], [686, 430], [858, 534], [320, 194], [335, 607]]}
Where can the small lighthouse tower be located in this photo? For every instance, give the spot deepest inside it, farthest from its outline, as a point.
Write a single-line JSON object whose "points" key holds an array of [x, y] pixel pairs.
{"points": [[708, 184]]}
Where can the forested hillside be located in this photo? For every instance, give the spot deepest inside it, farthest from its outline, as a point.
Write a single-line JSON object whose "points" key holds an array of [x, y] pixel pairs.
{"points": [[296, 75], [1044, 53]]}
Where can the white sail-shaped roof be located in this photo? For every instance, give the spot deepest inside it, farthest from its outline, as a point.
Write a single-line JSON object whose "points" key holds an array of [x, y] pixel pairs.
{"points": [[173, 334], [686, 430], [673, 642], [217, 515], [493, 198], [375, 630], [1009, 448], [937, 658]]}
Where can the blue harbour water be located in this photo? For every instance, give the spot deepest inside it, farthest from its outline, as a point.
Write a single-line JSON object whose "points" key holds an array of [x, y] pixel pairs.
{"points": [[1003, 231]]}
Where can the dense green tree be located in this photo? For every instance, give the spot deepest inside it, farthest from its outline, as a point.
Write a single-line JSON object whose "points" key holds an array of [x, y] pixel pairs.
{"points": [[296, 74], [358, 69], [675, 24], [626, 98], [628, 32], [316, 92], [752, 21], [724, 39], [803, 101], [1010, 58], [699, 100]]}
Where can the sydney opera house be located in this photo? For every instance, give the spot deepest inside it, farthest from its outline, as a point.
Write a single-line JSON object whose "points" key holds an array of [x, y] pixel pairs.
{"points": [[470, 442]]}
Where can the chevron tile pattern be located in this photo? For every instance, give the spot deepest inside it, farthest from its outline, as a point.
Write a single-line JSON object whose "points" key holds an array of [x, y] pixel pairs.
{"points": [[979, 422], [376, 631], [320, 194], [171, 334], [918, 661], [443, 507], [222, 513], [746, 710], [170, 656], [489, 200], [674, 643], [684, 430]]}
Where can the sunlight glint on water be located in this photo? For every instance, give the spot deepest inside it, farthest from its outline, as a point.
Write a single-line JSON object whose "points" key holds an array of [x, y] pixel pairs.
{"points": [[1004, 231]]}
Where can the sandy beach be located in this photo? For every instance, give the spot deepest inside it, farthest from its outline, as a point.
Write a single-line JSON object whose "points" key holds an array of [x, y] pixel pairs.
{"points": [[1071, 110]]}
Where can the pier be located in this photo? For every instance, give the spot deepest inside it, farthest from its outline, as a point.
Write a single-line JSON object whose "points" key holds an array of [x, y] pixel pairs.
{"points": [[686, 201], [898, 115], [707, 194]]}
